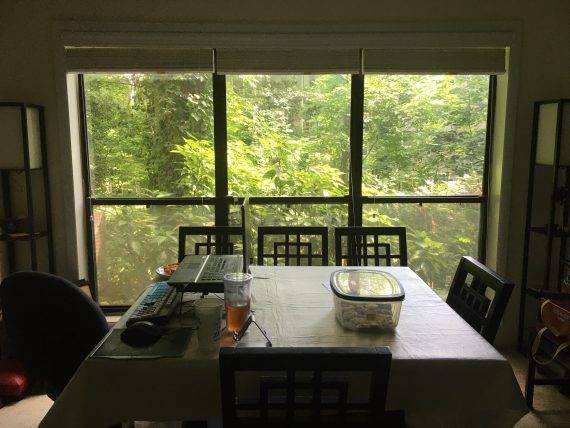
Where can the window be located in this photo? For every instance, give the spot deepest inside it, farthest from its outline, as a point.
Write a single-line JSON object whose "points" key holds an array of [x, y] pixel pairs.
{"points": [[164, 148], [140, 125], [288, 135], [150, 136], [424, 134], [424, 137]]}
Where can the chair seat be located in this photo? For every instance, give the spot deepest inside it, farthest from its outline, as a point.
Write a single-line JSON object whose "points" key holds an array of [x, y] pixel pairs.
{"points": [[14, 380]]}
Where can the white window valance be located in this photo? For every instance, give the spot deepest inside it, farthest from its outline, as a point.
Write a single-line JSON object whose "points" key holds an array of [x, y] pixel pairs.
{"points": [[435, 60], [336, 56], [288, 61], [111, 59]]}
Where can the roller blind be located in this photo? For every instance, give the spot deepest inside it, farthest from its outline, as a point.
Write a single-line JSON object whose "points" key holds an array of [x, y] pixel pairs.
{"points": [[138, 59], [434, 60], [288, 61]]}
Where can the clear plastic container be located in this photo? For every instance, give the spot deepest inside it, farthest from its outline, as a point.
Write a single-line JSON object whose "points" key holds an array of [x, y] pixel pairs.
{"points": [[366, 299]]}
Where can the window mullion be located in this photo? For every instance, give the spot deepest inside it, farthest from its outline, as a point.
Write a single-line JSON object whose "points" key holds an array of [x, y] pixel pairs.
{"points": [[356, 142], [87, 185], [492, 94], [220, 149]]}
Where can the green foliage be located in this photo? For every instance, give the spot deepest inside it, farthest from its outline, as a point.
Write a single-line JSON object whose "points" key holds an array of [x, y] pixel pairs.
{"points": [[152, 135], [285, 137], [196, 172], [424, 134], [134, 124], [131, 241]]}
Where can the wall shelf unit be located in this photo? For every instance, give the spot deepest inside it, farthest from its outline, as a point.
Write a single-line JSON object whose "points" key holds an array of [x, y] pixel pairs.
{"points": [[25, 212], [546, 256]]}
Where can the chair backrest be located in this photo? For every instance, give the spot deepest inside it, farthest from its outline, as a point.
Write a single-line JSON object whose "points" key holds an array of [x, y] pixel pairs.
{"points": [[210, 240], [245, 212], [370, 245], [293, 245], [314, 387], [480, 296], [51, 324]]}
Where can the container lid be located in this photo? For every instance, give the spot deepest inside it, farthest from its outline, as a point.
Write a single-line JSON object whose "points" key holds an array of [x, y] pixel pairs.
{"points": [[366, 285]]}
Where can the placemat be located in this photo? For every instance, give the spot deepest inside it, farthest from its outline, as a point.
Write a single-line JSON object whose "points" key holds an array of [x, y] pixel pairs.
{"points": [[173, 343]]}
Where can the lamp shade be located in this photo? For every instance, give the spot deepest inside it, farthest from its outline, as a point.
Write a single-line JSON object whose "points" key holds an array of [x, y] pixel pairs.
{"points": [[20, 136], [553, 132]]}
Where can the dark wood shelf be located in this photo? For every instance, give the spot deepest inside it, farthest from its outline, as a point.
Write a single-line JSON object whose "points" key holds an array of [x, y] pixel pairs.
{"points": [[20, 169], [22, 236], [25, 193], [548, 202], [543, 230]]}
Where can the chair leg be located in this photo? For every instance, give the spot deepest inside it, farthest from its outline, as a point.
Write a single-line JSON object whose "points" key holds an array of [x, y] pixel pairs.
{"points": [[529, 388]]}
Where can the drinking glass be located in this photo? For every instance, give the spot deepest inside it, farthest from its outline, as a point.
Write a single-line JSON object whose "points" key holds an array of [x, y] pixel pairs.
{"points": [[209, 314], [237, 297]]}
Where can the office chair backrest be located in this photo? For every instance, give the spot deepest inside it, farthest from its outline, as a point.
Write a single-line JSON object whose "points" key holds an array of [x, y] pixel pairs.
{"points": [[293, 245], [371, 245], [51, 324], [295, 387], [480, 296]]}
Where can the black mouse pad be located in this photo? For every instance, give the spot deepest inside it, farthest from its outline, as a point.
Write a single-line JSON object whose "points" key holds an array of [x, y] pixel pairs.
{"points": [[173, 343]]}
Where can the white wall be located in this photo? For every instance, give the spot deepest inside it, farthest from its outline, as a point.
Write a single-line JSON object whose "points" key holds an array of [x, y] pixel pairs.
{"points": [[28, 72]]}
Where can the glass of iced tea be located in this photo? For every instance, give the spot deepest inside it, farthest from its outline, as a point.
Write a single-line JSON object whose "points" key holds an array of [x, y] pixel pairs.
{"points": [[237, 297]]}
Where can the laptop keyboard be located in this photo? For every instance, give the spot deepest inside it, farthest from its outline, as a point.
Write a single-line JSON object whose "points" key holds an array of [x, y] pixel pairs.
{"points": [[214, 270]]}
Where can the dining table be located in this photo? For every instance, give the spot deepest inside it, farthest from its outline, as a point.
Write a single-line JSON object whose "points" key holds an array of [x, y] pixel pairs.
{"points": [[443, 373]]}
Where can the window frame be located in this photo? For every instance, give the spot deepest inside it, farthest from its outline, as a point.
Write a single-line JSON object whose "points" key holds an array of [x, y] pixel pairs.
{"points": [[221, 202]]}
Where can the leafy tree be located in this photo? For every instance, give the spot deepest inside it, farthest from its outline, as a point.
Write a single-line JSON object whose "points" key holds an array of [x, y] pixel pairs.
{"points": [[151, 135]]}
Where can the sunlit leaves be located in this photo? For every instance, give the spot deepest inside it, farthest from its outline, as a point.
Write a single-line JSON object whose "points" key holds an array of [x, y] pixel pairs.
{"points": [[424, 129], [152, 135]]}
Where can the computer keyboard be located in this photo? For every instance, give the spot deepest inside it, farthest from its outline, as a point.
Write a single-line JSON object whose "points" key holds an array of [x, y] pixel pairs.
{"points": [[214, 269], [157, 305]]}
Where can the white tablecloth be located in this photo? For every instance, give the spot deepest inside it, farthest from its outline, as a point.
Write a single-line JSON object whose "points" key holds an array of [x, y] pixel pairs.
{"points": [[443, 373]]}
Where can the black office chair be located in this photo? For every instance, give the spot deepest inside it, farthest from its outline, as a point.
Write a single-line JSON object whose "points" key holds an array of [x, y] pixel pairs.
{"points": [[51, 324], [306, 387], [550, 346], [480, 296], [370, 245], [293, 245]]}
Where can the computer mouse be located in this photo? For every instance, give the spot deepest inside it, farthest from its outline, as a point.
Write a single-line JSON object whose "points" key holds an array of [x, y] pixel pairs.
{"points": [[141, 333]]}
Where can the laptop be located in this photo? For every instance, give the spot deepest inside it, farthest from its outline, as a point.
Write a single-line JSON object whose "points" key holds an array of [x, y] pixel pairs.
{"points": [[204, 273]]}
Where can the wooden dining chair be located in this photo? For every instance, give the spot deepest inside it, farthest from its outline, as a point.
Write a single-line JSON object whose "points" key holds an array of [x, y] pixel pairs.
{"points": [[480, 296], [370, 245], [218, 239], [210, 240], [306, 387], [292, 245]]}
